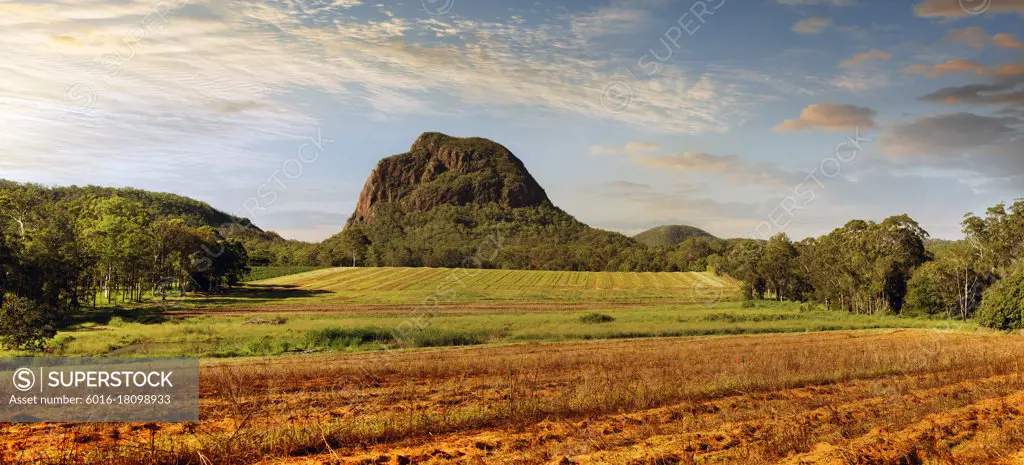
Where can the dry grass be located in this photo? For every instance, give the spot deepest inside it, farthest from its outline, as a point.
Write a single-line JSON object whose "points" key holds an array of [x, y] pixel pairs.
{"points": [[869, 397]]}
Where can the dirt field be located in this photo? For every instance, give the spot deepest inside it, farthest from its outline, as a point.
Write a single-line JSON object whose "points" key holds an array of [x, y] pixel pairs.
{"points": [[866, 397]]}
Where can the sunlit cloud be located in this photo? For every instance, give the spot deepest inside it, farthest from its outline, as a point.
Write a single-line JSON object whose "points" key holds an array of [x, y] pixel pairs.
{"points": [[830, 117]]}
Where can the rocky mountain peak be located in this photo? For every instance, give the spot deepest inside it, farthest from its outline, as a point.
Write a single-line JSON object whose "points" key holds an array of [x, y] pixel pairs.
{"points": [[443, 170]]}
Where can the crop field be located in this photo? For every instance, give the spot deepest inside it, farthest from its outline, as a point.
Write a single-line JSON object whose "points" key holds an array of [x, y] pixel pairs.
{"points": [[415, 285], [398, 279], [865, 397]]}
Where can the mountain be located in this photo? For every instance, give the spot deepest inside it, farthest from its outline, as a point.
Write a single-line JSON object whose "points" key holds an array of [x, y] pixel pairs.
{"points": [[444, 170], [455, 202], [669, 235]]}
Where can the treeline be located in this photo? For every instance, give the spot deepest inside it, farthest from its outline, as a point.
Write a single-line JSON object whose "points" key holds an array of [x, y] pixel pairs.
{"points": [[872, 268], [60, 252]]}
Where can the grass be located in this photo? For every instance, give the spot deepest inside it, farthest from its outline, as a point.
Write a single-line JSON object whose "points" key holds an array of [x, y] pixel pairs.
{"points": [[265, 334], [259, 273]]}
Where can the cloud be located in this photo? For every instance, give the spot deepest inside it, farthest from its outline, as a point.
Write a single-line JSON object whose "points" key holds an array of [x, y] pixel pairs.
{"points": [[734, 170], [615, 20], [980, 151], [631, 206], [814, 25], [1006, 40], [215, 83], [947, 135], [830, 117], [965, 8], [628, 149], [953, 66], [976, 37], [1007, 88], [863, 57], [1010, 70]]}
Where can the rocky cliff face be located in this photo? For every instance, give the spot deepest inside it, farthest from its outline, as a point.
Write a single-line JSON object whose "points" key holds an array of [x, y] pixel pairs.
{"points": [[445, 170]]}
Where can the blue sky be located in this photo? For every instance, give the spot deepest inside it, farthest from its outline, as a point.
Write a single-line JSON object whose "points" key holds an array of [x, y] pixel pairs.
{"points": [[741, 117]]}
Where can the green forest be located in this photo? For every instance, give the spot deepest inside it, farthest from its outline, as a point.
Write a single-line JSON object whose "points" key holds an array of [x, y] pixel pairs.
{"points": [[64, 249]]}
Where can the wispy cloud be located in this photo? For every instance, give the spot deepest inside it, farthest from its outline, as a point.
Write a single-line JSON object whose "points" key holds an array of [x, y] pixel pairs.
{"points": [[815, 25], [976, 38], [730, 167], [864, 57]]}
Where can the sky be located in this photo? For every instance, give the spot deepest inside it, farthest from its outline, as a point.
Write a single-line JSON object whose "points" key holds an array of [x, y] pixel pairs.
{"points": [[745, 118]]}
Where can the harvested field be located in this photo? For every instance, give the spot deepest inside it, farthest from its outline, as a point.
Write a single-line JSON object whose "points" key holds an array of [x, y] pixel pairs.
{"points": [[477, 286], [865, 397], [386, 279]]}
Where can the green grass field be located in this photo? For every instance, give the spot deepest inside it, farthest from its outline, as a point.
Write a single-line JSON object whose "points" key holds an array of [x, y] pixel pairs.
{"points": [[357, 309], [269, 334]]}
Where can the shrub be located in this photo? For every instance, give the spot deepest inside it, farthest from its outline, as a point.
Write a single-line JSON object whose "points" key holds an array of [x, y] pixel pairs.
{"points": [[445, 338], [25, 325], [340, 338], [116, 322], [596, 318], [1002, 306]]}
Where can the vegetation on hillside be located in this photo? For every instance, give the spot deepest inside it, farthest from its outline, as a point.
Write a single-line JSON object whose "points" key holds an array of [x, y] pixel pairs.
{"points": [[540, 237], [669, 235]]}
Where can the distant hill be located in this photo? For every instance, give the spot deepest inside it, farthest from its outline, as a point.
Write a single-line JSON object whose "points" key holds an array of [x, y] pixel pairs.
{"points": [[264, 247], [159, 204], [669, 235], [445, 201]]}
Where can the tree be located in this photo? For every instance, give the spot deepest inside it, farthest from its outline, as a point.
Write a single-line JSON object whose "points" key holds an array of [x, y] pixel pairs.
{"points": [[999, 236], [1002, 306], [778, 266], [965, 283], [930, 292], [25, 325], [118, 234], [741, 262]]}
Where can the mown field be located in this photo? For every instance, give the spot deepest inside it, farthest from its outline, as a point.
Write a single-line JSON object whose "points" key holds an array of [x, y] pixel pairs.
{"points": [[345, 289], [865, 397], [259, 273], [404, 279], [445, 285]]}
